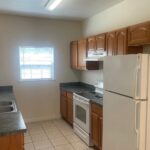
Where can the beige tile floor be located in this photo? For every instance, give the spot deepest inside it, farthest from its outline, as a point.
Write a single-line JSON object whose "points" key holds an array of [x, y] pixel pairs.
{"points": [[52, 135]]}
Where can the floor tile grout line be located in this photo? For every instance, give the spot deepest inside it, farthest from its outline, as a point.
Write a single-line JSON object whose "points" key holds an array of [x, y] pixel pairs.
{"points": [[66, 138], [58, 126], [48, 137]]}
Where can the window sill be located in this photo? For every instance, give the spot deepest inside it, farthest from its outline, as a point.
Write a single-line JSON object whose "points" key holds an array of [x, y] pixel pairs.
{"points": [[35, 80]]}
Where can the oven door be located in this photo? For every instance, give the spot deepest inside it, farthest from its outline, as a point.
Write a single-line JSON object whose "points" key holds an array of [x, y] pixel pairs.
{"points": [[81, 114]]}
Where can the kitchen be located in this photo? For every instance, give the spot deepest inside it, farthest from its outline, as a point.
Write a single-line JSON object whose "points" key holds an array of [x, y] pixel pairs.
{"points": [[39, 100]]}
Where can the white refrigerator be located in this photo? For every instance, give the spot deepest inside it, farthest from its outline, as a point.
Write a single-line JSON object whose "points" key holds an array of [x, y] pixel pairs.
{"points": [[126, 102]]}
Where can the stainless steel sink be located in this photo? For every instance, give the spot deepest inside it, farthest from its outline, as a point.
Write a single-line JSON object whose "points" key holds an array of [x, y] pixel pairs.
{"points": [[7, 107], [6, 103]]}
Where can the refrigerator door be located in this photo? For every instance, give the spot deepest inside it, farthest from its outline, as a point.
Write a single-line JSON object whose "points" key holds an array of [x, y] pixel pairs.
{"points": [[127, 75], [124, 123]]}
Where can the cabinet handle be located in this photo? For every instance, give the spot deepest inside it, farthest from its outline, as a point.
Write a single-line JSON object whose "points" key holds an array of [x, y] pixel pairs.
{"points": [[137, 123]]}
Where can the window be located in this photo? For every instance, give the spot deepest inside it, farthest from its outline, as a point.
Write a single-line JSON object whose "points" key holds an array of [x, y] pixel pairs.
{"points": [[36, 63]]}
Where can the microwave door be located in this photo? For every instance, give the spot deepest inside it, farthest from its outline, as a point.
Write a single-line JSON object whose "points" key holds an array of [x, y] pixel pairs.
{"points": [[127, 75]]}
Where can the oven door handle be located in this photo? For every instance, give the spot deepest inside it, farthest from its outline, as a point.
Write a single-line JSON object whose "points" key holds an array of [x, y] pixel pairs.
{"points": [[82, 101]]}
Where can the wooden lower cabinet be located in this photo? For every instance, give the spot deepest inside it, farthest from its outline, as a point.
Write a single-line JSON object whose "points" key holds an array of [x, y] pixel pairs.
{"points": [[70, 108], [12, 142], [96, 125], [66, 106], [63, 104]]}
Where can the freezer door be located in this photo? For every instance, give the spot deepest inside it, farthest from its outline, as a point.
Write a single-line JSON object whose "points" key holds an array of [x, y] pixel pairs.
{"points": [[124, 123], [127, 75]]}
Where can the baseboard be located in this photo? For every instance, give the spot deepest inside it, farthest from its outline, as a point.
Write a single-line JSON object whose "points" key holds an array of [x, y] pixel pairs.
{"points": [[30, 120]]}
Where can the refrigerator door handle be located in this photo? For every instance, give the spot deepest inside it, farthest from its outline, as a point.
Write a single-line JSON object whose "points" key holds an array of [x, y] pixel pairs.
{"points": [[137, 75], [141, 77], [137, 106]]}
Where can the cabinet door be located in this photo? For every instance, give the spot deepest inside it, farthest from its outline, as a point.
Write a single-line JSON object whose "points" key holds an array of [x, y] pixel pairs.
{"points": [[12, 142], [95, 129], [70, 107], [139, 34], [73, 54], [111, 43], [63, 105], [97, 125], [91, 43], [100, 132], [81, 54], [101, 42], [121, 42]]}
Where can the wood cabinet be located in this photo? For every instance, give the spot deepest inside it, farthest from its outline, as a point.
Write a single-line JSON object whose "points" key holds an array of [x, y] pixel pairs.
{"points": [[70, 107], [82, 45], [101, 42], [63, 104], [139, 34], [96, 125], [97, 42], [111, 43], [129, 40], [116, 43], [66, 106], [121, 42], [12, 142], [74, 54], [91, 43], [78, 54]]}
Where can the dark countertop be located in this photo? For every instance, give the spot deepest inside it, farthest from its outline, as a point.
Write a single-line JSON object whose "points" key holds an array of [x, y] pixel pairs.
{"points": [[10, 122], [84, 90], [76, 87]]}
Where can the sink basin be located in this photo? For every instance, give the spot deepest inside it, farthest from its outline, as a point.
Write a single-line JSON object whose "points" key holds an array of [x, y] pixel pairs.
{"points": [[5, 103], [6, 109]]}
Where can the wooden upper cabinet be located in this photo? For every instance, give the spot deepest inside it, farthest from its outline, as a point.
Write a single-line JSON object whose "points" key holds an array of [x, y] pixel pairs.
{"points": [[74, 54], [91, 43], [101, 42], [82, 54], [139, 34], [111, 43], [121, 42]]}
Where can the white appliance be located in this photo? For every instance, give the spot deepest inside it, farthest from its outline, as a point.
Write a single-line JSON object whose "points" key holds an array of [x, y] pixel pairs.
{"points": [[95, 55], [81, 112], [126, 102]]}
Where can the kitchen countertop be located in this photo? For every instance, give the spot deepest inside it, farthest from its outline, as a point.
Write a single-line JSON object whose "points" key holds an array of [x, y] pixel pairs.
{"points": [[84, 90], [10, 122]]}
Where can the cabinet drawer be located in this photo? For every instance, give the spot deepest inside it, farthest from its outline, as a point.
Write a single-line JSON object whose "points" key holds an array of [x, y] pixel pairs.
{"points": [[97, 109], [70, 95]]}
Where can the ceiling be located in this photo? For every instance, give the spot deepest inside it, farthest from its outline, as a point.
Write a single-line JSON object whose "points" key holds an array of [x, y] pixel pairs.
{"points": [[68, 9]]}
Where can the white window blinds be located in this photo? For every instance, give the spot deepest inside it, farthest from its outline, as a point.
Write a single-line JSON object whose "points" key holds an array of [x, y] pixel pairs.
{"points": [[36, 63]]}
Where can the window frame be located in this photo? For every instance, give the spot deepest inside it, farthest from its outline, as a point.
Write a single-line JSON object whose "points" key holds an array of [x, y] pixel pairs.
{"points": [[40, 79]]}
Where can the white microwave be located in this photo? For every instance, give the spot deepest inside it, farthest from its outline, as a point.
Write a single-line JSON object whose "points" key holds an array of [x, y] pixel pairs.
{"points": [[95, 55]]}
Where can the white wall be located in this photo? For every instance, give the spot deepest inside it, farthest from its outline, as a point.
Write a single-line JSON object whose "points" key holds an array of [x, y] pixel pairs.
{"points": [[126, 13], [37, 100], [123, 14]]}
